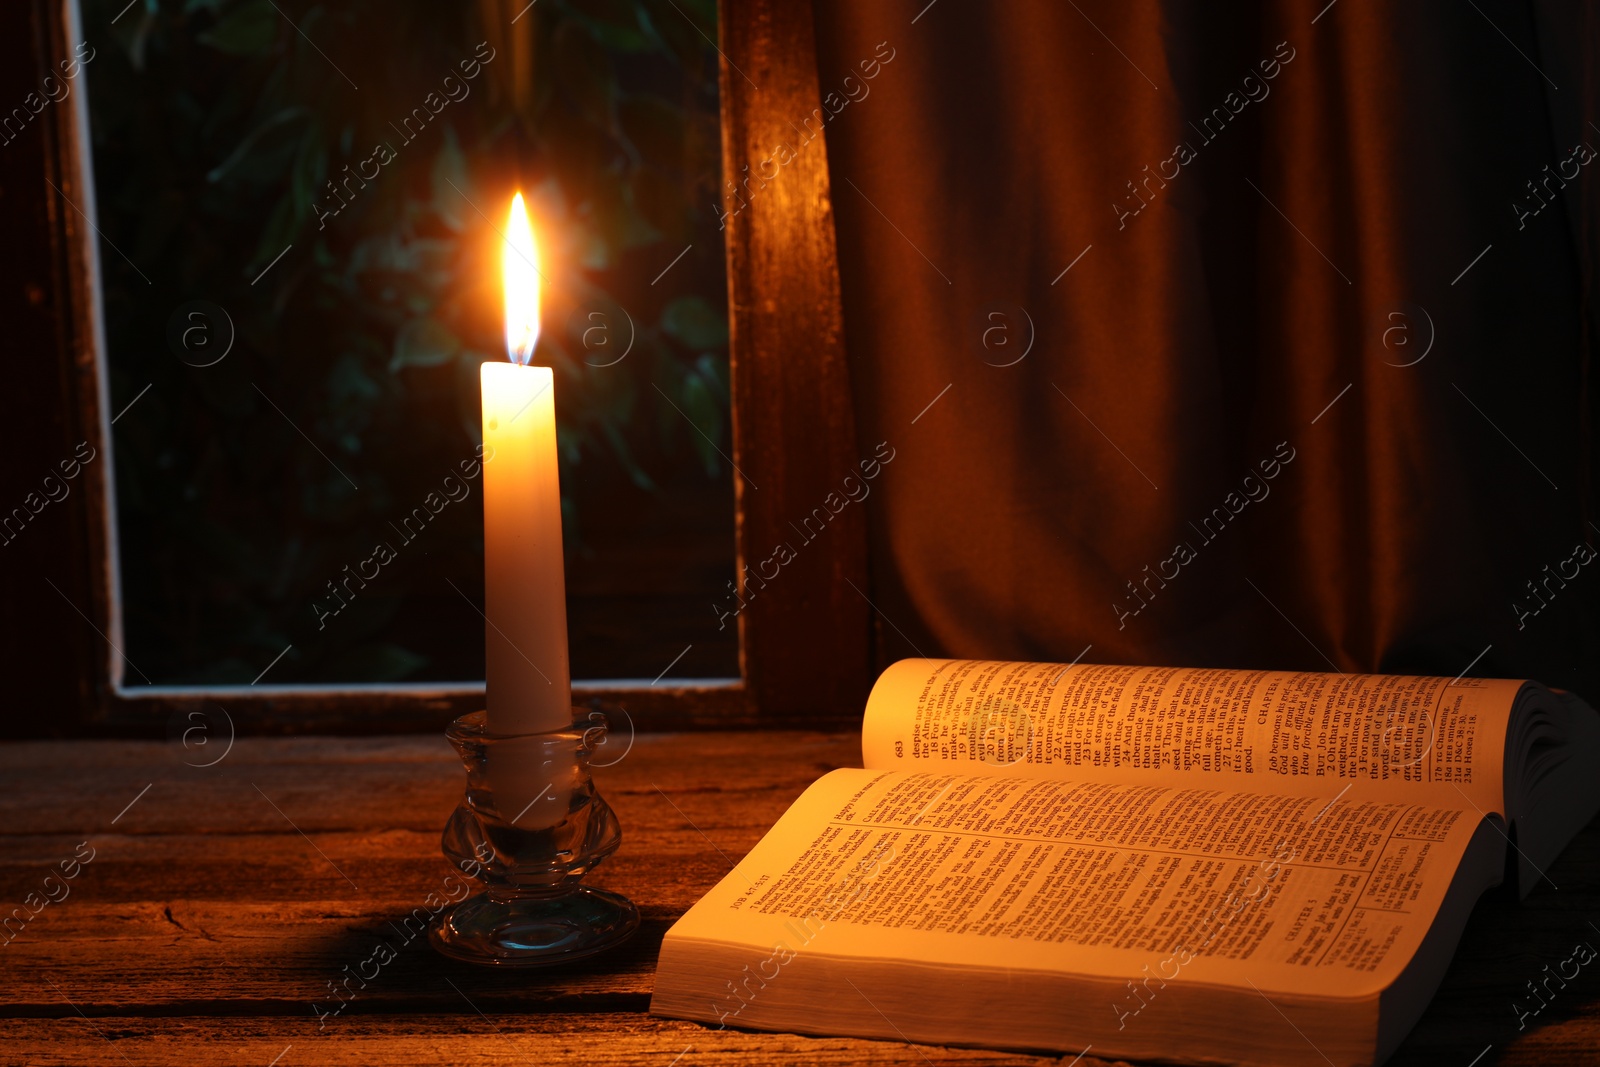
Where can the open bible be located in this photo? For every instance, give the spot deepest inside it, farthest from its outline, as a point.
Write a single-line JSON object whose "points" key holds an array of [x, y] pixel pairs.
{"points": [[1207, 866]]}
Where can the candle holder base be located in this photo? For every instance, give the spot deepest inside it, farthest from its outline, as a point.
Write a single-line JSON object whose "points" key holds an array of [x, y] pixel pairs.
{"points": [[535, 932], [530, 827]]}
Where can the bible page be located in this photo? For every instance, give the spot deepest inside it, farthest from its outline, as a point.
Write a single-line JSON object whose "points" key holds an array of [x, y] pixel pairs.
{"points": [[1295, 890], [1211, 726]]}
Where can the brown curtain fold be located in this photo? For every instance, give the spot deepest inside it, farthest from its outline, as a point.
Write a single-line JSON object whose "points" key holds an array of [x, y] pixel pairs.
{"points": [[1243, 336]]}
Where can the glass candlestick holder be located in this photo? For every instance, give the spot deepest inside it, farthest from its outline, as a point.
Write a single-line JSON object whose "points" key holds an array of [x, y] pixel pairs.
{"points": [[530, 827]]}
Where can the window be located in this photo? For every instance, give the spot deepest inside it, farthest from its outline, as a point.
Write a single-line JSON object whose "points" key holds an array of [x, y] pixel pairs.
{"points": [[300, 204]]}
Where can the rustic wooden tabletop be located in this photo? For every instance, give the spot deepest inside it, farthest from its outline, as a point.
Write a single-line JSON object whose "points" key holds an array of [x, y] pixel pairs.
{"points": [[220, 902]]}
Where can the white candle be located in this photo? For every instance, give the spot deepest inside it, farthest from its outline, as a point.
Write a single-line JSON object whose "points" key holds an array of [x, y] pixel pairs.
{"points": [[525, 633], [528, 688]]}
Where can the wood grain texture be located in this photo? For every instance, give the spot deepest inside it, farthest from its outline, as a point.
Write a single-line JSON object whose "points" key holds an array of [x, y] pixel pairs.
{"points": [[806, 634], [375, 710], [222, 902], [622, 1039], [249, 885]]}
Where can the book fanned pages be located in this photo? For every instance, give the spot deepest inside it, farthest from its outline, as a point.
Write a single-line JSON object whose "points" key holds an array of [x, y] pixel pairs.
{"points": [[1168, 864]]}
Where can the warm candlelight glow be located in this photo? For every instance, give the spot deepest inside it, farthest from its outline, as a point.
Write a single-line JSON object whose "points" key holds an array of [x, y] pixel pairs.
{"points": [[528, 686], [520, 268]]}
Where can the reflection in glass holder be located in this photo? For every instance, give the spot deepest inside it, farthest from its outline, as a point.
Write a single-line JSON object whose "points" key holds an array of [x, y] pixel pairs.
{"points": [[530, 828]]}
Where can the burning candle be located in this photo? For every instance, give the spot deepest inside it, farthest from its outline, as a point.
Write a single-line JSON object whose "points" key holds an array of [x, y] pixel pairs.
{"points": [[525, 634]]}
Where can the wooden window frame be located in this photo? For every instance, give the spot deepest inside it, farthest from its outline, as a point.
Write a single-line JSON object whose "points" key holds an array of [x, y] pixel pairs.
{"points": [[805, 636]]}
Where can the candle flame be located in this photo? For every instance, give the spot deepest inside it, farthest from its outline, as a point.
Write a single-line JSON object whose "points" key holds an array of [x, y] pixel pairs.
{"points": [[519, 264]]}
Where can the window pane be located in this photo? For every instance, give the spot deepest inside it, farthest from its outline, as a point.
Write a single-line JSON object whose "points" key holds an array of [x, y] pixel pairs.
{"points": [[300, 206]]}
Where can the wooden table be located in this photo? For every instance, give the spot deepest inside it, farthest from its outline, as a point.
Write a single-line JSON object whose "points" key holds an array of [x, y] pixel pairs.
{"points": [[222, 900]]}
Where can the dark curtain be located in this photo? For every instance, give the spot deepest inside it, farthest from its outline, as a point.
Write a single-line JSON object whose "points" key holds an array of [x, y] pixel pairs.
{"points": [[1240, 335]]}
